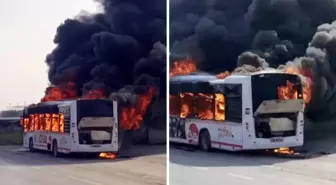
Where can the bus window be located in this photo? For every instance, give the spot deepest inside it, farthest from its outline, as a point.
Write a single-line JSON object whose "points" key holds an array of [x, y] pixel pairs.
{"points": [[55, 123], [233, 98], [186, 105], [288, 91], [26, 124], [31, 122], [174, 105], [204, 106], [42, 121], [37, 122], [220, 107], [61, 121], [48, 122]]}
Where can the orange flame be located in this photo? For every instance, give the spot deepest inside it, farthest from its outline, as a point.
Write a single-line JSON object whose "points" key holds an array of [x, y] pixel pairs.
{"points": [[186, 104], [94, 94], [183, 67], [285, 151], [220, 107], [44, 122], [108, 155], [287, 92], [223, 75], [132, 116], [67, 91], [203, 108], [307, 83]]}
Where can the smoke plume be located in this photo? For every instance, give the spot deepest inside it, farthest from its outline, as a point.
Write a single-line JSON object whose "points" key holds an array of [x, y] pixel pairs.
{"points": [[115, 52], [252, 35]]}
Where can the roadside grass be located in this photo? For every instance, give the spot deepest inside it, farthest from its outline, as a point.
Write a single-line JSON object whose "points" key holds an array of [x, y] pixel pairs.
{"points": [[13, 138]]}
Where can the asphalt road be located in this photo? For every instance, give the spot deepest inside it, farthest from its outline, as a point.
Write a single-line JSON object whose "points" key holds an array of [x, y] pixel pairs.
{"points": [[198, 168], [216, 168], [22, 167]]}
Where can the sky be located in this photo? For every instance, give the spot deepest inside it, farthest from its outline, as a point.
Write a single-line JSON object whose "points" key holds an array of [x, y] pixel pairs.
{"points": [[27, 30]]}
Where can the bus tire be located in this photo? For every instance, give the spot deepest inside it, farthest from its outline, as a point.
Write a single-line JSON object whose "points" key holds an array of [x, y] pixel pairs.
{"points": [[31, 145], [55, 149], [205, 141]]}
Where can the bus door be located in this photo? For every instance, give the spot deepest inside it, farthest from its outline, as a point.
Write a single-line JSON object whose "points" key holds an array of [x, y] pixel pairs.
{"points": [[248, 128], [178, 105], [228, 116], [65, 126]]}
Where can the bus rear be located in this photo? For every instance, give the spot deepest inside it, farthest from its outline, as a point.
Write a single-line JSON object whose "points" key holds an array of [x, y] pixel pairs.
{"points": [[96, 123], [274, 118]]}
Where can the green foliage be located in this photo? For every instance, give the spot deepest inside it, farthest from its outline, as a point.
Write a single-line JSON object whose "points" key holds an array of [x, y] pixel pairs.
{"points": [[13, 138]]}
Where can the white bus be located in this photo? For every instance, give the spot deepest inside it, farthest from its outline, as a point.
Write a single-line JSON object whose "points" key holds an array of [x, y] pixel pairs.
{"points": [[241, 112], [78, 126]]}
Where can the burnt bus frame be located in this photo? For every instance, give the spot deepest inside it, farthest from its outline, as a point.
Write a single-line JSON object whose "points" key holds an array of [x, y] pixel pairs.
{"points": [[229, 90], [256, 102], [45, 109]]}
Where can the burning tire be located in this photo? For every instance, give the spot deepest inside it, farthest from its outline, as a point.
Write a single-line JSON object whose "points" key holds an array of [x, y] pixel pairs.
{"points": [[205, 141], [55, 149]]}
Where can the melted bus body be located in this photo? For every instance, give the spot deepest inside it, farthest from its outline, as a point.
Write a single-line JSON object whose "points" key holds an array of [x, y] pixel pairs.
{"points": [[78, 126], [240, 112]]}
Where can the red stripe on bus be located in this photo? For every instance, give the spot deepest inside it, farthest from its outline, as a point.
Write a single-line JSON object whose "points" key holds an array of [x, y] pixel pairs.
{"points": [[227, 144]]}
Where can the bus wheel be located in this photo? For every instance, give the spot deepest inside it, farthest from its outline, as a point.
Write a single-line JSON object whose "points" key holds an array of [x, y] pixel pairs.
{"points": [[55, 149], [204, 141], [31, 145]]}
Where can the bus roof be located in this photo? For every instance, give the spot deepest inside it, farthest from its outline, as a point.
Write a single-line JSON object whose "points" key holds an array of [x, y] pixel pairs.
{"points": [[9, 118], [194, 82], [267, 71], [193, 78]]}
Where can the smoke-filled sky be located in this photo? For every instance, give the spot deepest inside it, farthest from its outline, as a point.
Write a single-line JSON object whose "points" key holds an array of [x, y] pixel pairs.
{"points": [[249, 35], [27, 30]]}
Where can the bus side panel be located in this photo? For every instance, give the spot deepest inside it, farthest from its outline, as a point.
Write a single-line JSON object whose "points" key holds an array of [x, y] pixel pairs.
{"points": [[115, 128], [73, 127], [40, 139], [223, 135], [177, 130], [64, 140], [226, 135], [249, 138], [26, 136]]}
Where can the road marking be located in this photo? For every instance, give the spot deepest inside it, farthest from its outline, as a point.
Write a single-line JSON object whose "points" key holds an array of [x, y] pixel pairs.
{"points": [[85, 181], [201, 168], [240, 176], [36, 167], [14, 167], [273, 167]]}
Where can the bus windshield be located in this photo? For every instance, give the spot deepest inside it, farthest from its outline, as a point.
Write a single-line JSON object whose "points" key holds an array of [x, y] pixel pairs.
{"points": [[275, 87]]}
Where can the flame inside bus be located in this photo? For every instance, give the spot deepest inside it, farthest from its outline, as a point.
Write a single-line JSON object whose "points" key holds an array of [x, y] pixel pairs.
{"points": [[287, 92], [200, 105], [43, 122]]}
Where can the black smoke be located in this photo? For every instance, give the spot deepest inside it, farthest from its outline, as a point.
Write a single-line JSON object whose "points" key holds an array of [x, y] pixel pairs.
{"points": [[251, 35], [111, 50]]}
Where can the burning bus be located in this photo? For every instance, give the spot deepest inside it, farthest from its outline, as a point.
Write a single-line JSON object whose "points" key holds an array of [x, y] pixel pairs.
{"points": [[260, 110], [75, 126]]}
